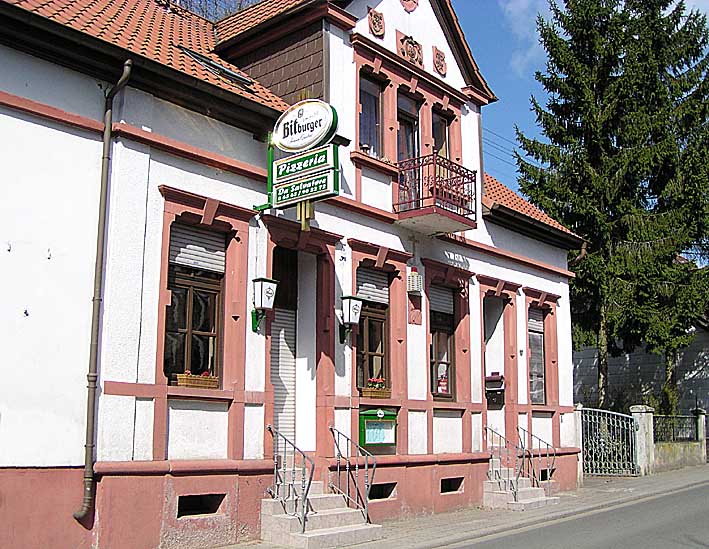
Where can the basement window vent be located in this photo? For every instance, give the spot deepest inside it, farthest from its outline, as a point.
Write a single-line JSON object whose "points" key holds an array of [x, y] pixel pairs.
{"points": [[386, 490], [199, 504], [449, 485], [217, 68]]}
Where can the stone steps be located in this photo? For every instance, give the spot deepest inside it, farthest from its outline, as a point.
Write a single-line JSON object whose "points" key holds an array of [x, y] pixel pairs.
{"points": [[330, 523]]}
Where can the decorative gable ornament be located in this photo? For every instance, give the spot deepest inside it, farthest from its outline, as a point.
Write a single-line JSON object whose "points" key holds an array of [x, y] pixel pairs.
{"points": [[439, 61], [305, 125], [410, 5], [409, 49], [376, 23]]}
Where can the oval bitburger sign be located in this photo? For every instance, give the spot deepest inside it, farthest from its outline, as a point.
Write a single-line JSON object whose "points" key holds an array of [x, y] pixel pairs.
{"points": [[305, 125]]}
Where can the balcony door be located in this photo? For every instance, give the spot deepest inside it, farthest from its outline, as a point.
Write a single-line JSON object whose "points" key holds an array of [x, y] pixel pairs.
{"points": [[408, 152]]}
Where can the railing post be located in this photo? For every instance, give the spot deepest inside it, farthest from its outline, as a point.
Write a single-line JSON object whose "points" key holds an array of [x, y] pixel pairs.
{"points": [[701, 414], [644, 438]]}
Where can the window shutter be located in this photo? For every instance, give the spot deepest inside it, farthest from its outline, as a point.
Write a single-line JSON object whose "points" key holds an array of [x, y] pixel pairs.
{"points": [[197, 248], [373, 285], [535, 328], [441, 299], [536, 320], [283, 353]]}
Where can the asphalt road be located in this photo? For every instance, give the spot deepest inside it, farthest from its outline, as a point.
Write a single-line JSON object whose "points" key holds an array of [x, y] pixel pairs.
{"points": [[679, 519]]}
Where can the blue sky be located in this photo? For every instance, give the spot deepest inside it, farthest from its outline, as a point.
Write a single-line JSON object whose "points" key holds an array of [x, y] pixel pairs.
{"points": [[502, 35]]}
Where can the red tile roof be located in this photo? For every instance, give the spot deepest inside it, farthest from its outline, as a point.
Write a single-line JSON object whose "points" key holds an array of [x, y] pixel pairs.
{"points": [[254, 15], [496, 192], [152, 29]]}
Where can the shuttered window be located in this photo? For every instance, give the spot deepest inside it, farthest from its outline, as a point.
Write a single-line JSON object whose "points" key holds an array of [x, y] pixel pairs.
{"points": [[441, 304], [535, 336], [197, 248], [441, 299], [193, 318], [373, 285], [373, 334]]}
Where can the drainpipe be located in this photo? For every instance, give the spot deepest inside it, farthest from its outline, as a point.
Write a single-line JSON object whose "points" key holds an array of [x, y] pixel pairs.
{"points": [[97, 300]]}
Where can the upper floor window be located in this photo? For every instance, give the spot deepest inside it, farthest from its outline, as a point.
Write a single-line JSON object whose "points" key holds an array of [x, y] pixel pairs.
{"points": [[537, 370], [193, 320], [440, 135], [442, 348], [408, 136], [370, 126], [373, 336]]}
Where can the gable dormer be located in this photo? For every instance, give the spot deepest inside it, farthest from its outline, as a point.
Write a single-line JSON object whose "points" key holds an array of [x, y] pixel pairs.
{"points": [[283, 43]]}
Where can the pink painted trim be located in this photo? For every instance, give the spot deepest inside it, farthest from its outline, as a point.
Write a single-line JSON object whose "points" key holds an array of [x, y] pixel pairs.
{"points": [[163, 467], [179, 148], [363, 209], [360, 159], [491, 250], [51, 113], [424, 459]]}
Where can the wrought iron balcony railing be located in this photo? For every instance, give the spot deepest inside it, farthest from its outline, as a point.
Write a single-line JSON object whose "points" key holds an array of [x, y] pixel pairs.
{"points": [[434, 181]]}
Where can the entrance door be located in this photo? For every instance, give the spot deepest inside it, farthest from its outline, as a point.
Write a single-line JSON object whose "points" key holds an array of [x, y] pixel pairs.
{"points": [[493, 308], [283, 341]]}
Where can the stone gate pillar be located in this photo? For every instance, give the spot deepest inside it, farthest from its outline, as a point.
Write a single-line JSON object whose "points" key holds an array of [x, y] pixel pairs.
{"points": [[644, 438], [701, 430]]}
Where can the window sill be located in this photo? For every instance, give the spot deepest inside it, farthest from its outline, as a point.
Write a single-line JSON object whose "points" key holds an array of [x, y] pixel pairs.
{"points": [[360, 159], [544, 408], [202, 394]]}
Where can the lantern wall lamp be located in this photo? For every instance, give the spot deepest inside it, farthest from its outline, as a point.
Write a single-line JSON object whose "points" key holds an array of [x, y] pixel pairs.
{"points": [[351, 310], [264, 298]]}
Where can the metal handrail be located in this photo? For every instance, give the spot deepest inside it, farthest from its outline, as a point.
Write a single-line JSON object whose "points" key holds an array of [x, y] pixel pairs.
{"points": [[353, 492], [284, 489], [509, 456], [543, 448]]}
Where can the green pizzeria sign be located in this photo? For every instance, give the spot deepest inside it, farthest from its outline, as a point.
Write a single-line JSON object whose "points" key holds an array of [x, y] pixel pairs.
{"points": [[318, 160], [307, 129], [310, 188]]}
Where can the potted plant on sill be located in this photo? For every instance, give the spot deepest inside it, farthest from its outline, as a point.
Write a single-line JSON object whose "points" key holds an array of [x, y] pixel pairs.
{"points": [[376, 388], [198, 381]]}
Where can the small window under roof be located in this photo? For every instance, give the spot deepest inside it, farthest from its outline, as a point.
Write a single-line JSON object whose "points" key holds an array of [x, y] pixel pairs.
{"points": [[217, 68]]}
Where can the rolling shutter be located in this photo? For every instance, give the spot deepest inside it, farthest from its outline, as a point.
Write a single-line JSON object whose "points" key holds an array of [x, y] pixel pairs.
{"points": [[283, 338], [373, 285], [440, 299], [197, 248], [536, 320], [535, 334]]}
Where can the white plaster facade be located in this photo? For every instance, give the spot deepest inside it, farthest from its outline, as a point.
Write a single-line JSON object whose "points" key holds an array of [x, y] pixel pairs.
{"points": [[48, 218]]}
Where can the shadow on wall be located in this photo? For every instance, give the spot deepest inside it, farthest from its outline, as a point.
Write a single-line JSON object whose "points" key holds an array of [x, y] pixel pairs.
{"points": [[637, 378]]}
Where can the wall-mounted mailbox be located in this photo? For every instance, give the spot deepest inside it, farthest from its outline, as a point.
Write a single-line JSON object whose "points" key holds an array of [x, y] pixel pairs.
{"points": [[495, 389], [377, 427]]}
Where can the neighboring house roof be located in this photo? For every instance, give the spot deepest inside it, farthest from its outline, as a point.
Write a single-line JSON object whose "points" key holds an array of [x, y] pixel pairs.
{"points": [[153, 29], [254, 15], [500, 203]]}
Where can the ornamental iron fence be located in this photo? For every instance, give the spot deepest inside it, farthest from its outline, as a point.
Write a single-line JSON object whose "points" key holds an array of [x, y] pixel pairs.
{"points": [[609, 443]]}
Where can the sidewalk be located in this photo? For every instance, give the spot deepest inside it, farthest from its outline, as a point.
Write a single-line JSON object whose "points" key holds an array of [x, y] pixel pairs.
{"points": [[597, 493]]}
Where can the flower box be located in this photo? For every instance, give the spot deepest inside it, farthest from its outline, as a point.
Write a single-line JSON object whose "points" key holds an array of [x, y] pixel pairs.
{"points": [[197, 382], [373, 392]]}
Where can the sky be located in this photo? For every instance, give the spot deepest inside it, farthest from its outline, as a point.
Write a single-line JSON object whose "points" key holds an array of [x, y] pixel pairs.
{"points": [[503, 37]]}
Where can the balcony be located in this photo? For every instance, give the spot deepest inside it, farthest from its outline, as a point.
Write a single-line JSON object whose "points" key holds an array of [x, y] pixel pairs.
{"points": [[436, 196]]}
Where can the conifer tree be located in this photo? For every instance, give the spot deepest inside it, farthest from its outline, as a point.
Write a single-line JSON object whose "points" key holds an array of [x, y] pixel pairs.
{"points": [[624, 164]]}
